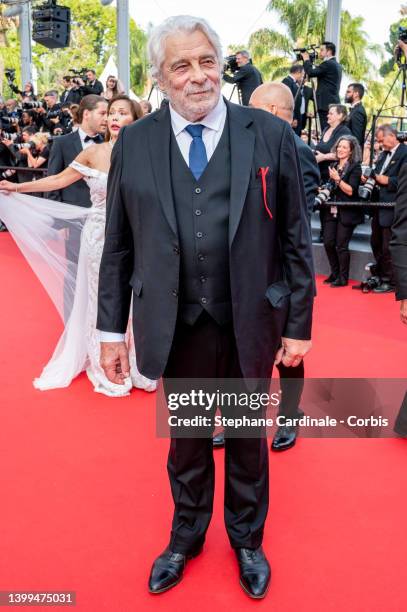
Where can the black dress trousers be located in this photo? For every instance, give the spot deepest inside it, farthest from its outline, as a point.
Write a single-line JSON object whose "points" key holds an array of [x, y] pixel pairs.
{"points": [[207, 350]]}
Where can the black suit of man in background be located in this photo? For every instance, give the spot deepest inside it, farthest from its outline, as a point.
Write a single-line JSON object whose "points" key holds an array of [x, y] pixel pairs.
{"points": [[295, 83], [357, 118], [247, 78], [329, 75]]}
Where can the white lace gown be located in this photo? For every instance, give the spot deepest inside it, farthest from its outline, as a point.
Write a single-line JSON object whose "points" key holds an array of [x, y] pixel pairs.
{"points": [[32, 222]]}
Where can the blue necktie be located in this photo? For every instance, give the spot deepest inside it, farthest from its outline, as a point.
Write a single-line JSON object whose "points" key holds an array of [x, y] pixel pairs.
{"points": [[198, 159]]}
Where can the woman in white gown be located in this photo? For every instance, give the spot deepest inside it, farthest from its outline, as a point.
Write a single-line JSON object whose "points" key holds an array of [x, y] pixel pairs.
{"points": [[36, 224]]}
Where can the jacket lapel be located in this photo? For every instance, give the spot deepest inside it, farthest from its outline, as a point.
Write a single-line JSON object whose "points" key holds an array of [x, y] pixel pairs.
{"points": [[160, 161], [241, 154], [77, 143]]}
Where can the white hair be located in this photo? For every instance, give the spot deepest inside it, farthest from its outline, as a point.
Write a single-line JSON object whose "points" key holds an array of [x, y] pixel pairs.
{"points": [[174, 25]]}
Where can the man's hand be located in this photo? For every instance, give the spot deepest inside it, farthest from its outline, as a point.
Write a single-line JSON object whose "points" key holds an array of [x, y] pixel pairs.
{"points": [[114, 360], [403, 311], [292, 352], [305, 56], [382, 179]]}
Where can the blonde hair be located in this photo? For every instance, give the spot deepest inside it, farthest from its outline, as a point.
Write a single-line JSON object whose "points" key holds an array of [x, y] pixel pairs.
{"points": [[40, 138]]}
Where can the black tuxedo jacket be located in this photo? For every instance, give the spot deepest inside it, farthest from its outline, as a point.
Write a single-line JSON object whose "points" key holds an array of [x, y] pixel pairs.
{"points": [[63, 152], [329, 74], [247, 78], [357, 121], [388, 193], [398, 244], [294, 87], [270, 259], [310, 173], [70, 96]]}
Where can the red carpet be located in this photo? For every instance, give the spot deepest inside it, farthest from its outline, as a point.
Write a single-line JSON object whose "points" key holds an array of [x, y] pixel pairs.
{"points": [[85, 503]]}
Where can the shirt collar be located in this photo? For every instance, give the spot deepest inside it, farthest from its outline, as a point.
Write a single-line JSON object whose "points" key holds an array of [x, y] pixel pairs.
{"points": [[328, 58], [213, 120], [83, 134]]}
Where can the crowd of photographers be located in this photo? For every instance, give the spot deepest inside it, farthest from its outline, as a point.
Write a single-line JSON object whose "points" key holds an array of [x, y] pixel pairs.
{"points": [[30, 123], [349, 170]]}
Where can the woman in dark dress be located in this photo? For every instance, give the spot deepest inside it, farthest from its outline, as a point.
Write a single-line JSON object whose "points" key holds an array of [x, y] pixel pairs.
{"points": [[336, 128], [340, 221]]}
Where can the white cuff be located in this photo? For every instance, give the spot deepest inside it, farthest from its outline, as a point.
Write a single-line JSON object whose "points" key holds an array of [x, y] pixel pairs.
{"points": [[110, 337]]}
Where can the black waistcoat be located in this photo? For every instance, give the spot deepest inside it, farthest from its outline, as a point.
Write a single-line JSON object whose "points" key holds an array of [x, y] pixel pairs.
{"points": [[202, 210]]}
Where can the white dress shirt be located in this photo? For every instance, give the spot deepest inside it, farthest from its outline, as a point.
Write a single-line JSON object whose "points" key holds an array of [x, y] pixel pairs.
{"points": [[214, 123], [82, 136], [389, 158]]}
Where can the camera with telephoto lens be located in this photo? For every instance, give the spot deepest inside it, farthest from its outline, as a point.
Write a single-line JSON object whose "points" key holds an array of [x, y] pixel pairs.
{"points": [[8, 136], [24, 145], [402, 136], [53, 114], [78, 74], [365, 191], [311, 50], [230, 64], [324, 194], [7, 174], [33, 105], [10, 75], [401, 35]]}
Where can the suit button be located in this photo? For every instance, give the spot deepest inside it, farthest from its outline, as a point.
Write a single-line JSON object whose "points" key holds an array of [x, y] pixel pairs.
{"points": [[176, 250], [199, 234], [175, 293], [201, 257], [198, 212], [202, 279], [204, 300], [198, 190]]}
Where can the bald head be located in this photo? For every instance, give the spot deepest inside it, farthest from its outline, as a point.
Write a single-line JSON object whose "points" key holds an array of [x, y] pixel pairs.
{"points": [[276, 98]]}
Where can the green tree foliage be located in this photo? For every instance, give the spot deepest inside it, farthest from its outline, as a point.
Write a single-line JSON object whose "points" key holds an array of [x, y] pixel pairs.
{"points": [[93, 41], [304, 22]]}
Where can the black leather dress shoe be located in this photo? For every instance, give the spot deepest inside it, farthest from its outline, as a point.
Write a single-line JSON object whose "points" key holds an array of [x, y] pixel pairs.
{"points": [[330, 279], [384, 288], [339, 283], [218, 441], [255, 572], [168, 570], [284, 438]]}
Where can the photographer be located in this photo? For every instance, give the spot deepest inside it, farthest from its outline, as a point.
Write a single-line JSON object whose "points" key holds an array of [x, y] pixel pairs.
{"points": [[37, 155], [50, 116], [357, 118], [295, 82], [92, 85], [329, 75], [71, 93], [27, 95], [247, 77], [340, 221], [387, 169]]}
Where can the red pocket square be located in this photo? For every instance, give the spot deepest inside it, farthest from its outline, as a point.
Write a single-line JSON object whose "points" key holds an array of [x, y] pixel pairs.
{"points": [[263, 173]]}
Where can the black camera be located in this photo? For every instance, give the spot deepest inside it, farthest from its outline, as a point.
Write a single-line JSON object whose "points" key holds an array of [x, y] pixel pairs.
{"points": [[24, 145], [230, 64], [32, 105], [324, 194], [402, 136], [8, 136], [401, 35], [311, 50], [365, 191], [78, 74], [10, 74], [53, 114]]}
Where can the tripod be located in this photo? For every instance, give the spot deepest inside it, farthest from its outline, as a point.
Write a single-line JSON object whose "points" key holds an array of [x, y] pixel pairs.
{"points": [[314, 101], [401, 72]]}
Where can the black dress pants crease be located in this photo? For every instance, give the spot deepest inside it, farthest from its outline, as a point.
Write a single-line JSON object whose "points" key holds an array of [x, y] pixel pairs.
{"points": [[380, 243], [207, 350], [336, 242]]}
